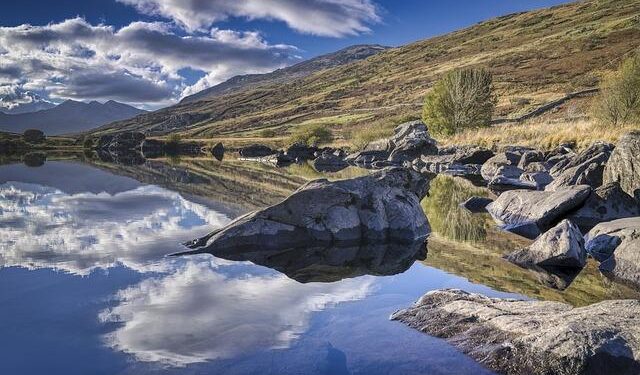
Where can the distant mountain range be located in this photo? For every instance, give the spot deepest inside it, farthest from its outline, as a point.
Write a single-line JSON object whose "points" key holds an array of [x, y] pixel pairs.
{"points": [[68, 117], [16, 101], [305, 68]]}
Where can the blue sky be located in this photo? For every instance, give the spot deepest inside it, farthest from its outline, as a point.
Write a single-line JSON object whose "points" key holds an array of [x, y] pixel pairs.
{"points": [[151, 52]]}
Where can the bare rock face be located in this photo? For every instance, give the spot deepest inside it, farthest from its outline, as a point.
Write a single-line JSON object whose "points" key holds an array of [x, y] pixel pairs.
{"points": [[624, 164], [530, 213], [410, 141], [617, 245], [560, 246], [374, 208], [533, 337], [606, 203]]}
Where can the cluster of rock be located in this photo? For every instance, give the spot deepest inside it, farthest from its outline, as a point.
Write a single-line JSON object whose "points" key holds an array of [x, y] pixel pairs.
{"points": [[325, 159]]}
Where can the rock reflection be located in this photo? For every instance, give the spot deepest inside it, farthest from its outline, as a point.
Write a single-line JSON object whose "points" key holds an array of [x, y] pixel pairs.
{"points": [[333, 263], [42, 227], [199, 313]]}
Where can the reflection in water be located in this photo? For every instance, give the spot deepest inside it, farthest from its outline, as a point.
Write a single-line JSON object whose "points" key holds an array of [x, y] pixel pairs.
{"points": [[198, 313], [44, 227], [447, 218], [329, 264]]}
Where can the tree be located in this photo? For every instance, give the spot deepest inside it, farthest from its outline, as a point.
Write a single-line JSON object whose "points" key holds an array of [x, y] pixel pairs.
{"points": [[618, 103], [460, 100], [33, 136]]}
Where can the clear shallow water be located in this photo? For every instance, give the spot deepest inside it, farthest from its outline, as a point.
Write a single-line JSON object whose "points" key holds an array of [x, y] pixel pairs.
{"points": [[86, 288]]}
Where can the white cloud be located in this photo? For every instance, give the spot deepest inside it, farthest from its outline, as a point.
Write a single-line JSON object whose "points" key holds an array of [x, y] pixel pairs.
{"points": [[198, 313], [138, 63], [42, 227], [334, 18]]}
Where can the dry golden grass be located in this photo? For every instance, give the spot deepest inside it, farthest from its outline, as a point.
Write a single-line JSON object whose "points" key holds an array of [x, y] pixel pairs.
{"points": [[543, 135]]}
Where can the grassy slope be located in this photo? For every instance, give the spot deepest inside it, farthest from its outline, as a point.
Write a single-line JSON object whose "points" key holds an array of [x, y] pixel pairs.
{"points": [[537, 55]]}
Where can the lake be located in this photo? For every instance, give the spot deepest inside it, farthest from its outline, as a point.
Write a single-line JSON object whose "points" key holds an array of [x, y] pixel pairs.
{"points": [[88, 286]]}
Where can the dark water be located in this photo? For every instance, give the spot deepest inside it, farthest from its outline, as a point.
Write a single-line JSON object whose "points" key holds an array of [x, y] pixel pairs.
{"points": [[86, 286]]}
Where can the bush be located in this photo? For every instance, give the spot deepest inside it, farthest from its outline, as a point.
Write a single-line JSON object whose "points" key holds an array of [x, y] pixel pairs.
{"points": [[618, 103], [462, 99], [313, 135], [88, 143], [33, 136], [267, 133]]}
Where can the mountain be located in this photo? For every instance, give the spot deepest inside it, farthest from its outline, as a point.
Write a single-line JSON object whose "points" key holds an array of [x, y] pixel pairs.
{"points": [[305, 68], [15, 101], [535, 57], [68, 117]]}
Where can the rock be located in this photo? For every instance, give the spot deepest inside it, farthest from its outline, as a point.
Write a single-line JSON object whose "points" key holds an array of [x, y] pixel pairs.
{"points": [[410, 141], [530, 157], [533, 337], [366, 158], [384, 206], [256, 151], [278, 159], [301, 151], [557, 163], [624, 164], [531, 212], [378, 145], [120, 142], [329, 163], [607, 203], [508, 177], [490, 167], [536, 167], [605, 238], [588, 173], [217, 151], [560, 246], [466, 154], [476, 204], [538, 179]]}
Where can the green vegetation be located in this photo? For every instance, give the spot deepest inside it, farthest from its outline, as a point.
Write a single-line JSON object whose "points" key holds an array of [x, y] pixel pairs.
{"points": [[619, 101], [313, 135], [88, 143], [462, 99], [34, 136]]}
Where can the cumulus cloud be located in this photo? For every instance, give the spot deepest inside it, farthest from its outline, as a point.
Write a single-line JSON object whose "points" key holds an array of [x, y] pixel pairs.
{"points": [[334, 18], [138, 63], [42, 227], [198, 313], [14, 99]]}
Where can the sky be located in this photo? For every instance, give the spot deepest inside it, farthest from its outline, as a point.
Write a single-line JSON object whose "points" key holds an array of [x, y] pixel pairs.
{"points": [[151, 53]]}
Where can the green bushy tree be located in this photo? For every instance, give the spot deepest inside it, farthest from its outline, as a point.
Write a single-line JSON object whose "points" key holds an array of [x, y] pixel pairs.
{"points": [[618, 103]]}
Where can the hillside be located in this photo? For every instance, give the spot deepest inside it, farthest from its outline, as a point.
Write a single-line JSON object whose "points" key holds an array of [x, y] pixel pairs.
{"points": [[535, 57], [68, 117], [280, 76]]}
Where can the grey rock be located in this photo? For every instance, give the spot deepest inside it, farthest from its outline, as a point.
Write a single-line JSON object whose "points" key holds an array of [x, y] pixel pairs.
{"points": [[466, 154], [301, 151], [410, 141], [557, 163], [533, 337], [532, 212], [560, 246], [256, 151], [366, 158], [217, 151], [124, 141], [476, 204], [491, 166], [378, 207], [537, 167], [606, 203], [539, 179], [604, 238], [624, 164], [530, 157], [329, 163], [587, 173]]}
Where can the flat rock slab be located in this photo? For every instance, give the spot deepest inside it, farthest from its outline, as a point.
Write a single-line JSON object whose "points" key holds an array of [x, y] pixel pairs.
{"points": [[533, 337], [384, 206], [536, 210]]}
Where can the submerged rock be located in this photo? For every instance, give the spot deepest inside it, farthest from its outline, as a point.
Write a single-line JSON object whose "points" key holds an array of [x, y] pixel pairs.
{"points": [[374, 208], [530, 213], [533, 337], [560, 246], [624, 164]]}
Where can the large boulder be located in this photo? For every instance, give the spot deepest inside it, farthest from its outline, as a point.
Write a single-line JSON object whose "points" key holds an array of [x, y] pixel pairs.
{"points": [[466, 154], [490, 167], [560, 246], [256, 151], [410, 141], [374, 208], [328, 162], [533, 337], [301, 151], [587, 173], [476, 204], [617, 245], [530, 213], [624, 164], [606, 203]]}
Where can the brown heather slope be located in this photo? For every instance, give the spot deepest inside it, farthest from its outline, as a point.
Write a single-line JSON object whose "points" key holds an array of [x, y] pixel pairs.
{"points": [[535, 57]]}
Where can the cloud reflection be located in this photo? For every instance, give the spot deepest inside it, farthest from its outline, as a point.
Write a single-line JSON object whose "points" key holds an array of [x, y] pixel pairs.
{"points": [[198, 313], [42, 227]]}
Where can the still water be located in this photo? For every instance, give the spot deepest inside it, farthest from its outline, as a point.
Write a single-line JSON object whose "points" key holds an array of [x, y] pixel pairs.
{"points": [[86, 286]]}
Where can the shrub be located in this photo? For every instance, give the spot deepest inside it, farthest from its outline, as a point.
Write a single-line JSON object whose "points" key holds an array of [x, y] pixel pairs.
{"points": [[88, 143], [313, 135], [267, 133], [33, 136], [618, 103], [462, 99]]}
